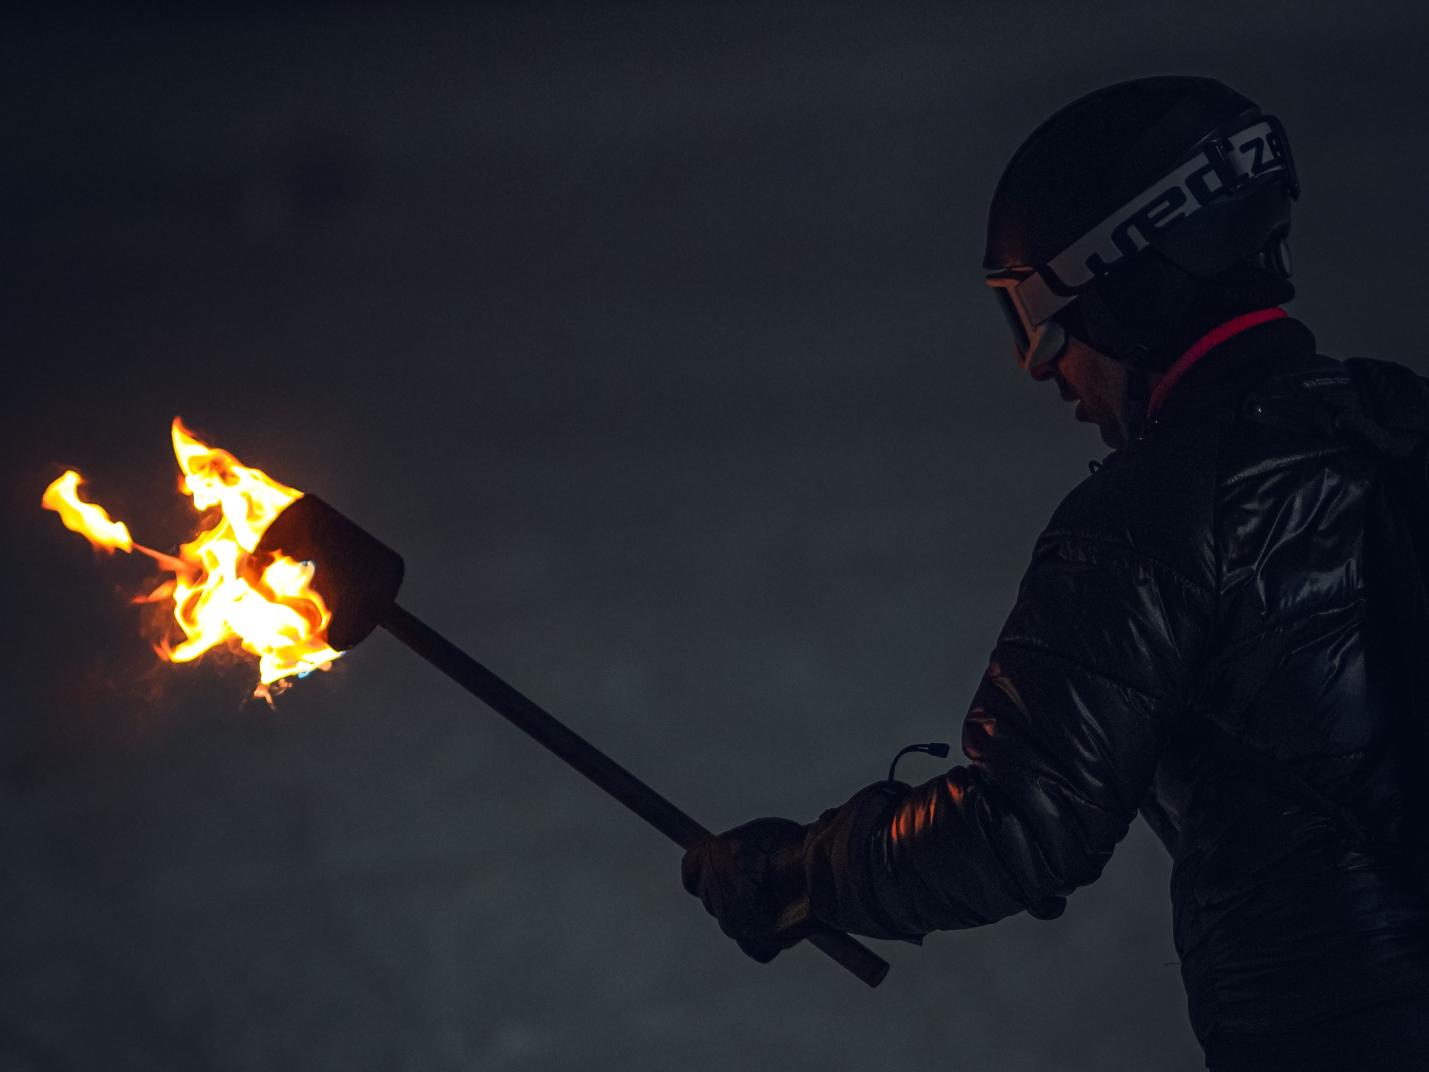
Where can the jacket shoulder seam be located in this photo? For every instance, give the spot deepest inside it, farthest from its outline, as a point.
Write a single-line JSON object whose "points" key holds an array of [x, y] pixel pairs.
{"points": [[1284, 461], [1175, 572]]}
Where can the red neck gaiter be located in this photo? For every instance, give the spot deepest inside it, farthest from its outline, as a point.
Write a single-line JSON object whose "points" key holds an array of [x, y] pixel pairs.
{"points": [[1201, 347]]}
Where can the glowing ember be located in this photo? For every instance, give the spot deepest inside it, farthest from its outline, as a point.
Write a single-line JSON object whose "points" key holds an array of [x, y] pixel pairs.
{"points": [[222, 593]]}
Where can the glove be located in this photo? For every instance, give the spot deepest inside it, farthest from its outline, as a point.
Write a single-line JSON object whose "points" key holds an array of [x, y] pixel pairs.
{"points": [[846, 861], [751, 879]]}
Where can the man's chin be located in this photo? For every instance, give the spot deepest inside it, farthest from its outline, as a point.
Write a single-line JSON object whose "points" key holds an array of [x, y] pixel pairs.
{"points": [[1111, 431]]}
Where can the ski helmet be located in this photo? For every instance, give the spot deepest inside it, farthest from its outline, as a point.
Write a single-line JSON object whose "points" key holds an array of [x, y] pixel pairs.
{"points": [[1129, 205]]}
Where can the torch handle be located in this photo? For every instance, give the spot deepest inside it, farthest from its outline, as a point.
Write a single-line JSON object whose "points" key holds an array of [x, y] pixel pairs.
{"points": [[609, 775]]}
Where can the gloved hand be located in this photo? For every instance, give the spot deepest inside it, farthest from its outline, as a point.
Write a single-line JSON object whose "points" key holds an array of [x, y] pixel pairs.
{"points": [[751, 879]]}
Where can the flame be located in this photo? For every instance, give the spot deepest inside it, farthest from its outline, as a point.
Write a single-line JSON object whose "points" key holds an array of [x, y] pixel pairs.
{"points": [[223, 592], [90, 521]]}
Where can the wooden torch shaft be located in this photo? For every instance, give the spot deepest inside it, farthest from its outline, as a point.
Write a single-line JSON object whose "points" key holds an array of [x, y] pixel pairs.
{"points": [[593, 763]]}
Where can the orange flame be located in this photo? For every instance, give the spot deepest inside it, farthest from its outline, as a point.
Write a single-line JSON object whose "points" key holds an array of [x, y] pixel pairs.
{"points": [[222, 592], [90, 521]]}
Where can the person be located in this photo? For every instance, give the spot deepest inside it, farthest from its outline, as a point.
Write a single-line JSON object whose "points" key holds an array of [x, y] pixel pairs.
{"points": [[1202, 635]]}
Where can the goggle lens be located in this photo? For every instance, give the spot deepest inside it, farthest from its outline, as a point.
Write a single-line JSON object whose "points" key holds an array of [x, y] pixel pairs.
{"points": [[1036, 347]]}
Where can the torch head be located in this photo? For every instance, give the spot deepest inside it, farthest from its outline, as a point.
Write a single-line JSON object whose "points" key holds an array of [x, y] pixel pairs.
{"points": [[356, 574]]}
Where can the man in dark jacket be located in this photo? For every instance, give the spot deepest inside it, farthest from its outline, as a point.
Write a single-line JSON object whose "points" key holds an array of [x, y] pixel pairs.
{"points": [[1199, 637]]}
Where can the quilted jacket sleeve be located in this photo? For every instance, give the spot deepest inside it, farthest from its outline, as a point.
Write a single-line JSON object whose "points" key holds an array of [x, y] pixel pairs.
{"points": [[1062, 739]]}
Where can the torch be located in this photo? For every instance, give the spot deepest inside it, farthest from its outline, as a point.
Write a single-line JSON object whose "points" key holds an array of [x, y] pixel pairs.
{"points": [[295, 582]]}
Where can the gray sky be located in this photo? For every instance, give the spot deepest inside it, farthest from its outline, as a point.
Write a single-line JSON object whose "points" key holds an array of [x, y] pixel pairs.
{"points": [[654, 338]]}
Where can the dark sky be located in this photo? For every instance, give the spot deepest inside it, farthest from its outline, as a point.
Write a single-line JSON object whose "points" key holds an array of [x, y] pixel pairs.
{"points": [[654, 338]]}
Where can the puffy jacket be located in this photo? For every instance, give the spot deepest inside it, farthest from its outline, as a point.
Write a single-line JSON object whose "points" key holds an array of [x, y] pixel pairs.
{"points": [[1199, 599]]}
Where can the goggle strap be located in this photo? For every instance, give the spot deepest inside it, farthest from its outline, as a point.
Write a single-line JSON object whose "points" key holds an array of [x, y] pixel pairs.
{"points": [[1234, 159]]}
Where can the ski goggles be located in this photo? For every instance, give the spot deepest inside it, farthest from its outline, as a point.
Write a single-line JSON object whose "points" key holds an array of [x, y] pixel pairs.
{"points": [[1223, 163], [1035, 344]]}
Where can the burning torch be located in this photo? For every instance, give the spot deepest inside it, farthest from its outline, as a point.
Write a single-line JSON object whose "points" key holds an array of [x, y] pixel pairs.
{"points": [[290, 580]]}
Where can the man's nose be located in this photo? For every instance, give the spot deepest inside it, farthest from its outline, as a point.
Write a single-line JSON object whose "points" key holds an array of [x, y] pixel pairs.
{"points": [[1045, 371]]}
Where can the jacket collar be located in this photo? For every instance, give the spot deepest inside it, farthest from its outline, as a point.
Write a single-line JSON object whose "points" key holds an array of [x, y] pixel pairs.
{"points": [[1218, 335], [1230, 369]]}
